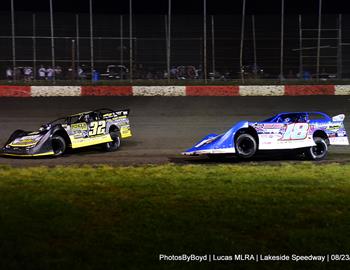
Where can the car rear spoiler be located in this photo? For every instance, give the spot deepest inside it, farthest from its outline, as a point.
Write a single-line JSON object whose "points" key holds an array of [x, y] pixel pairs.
{"points": [[117, 113], [338, 118]]}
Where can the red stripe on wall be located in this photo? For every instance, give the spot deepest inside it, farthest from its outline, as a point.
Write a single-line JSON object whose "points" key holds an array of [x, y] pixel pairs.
{"points": [[14, 91], [308, 90], [106, 90], [209, 90]]}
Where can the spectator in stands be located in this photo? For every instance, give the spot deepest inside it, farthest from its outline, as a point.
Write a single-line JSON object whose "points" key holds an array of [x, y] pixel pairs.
{"points": [[42, 73], [18, 73], [9, 74], [81, 73], [165, 74], [50, 73], [290, 75], [307, 75], [191, 72], [324, 76], [173, 72], [149, 76], [281, 77], [28, 72], [58, 72]]}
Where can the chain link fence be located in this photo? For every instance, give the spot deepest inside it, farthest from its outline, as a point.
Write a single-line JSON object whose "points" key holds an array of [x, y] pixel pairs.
{"points": [[30, 49]]}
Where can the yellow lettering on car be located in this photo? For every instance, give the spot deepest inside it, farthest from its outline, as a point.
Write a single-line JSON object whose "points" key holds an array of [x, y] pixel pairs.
{"points": [[125, 131]]}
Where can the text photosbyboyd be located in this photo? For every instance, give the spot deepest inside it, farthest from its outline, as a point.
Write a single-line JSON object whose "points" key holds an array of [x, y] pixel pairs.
{"points": [[254, 257]]}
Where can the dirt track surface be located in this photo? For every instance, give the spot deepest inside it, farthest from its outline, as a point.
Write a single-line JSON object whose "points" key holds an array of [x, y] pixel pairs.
{"points": [[162, 126]]}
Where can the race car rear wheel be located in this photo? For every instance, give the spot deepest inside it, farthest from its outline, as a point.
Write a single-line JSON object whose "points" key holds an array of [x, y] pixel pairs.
{"points": [[319, 151], [115, 144], [58, 145], [245, 145]]}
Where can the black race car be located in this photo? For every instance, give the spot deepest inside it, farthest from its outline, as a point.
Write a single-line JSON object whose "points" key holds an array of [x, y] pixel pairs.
{"points": [[104, 127]]}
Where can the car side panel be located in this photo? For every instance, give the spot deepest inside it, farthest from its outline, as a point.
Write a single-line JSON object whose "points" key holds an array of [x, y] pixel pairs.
{"points": [[97, 132], [122, 123], [274, 136], [334, 130]]}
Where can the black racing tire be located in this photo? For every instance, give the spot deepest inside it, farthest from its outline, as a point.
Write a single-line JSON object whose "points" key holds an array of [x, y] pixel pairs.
{"points": [[319, 151], [246, 146], [115, 144], [58, 145]]}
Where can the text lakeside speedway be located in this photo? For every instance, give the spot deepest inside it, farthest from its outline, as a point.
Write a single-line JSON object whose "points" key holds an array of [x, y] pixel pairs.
{"points": [[241, 257]]}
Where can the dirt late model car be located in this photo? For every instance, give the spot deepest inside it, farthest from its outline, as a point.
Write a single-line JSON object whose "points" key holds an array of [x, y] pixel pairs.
{"points": [[310, 133], [99, 127]]}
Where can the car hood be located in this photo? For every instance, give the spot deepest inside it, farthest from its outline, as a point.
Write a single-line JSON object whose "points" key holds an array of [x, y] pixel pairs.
{"points": [[222, 141], [28, 140]]}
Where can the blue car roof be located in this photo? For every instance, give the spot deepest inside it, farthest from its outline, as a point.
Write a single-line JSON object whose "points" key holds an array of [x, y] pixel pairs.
{"points": [[327, 117]]}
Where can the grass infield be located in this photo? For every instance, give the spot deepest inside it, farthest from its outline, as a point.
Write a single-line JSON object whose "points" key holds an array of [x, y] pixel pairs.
{"points": [[124, 217]]}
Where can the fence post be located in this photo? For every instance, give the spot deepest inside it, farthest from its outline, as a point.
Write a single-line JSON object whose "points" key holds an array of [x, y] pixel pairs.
{"points": [[282, 41], [121, 48], [205, 40], [168, 33], [319, 40], [73, 60], [34, 46], [77, 45], [130, 41], [91, 42], [254, 47], [340, 49], [52, 40], [300, 48], [242, 43], [13, 40], [213, 45]]}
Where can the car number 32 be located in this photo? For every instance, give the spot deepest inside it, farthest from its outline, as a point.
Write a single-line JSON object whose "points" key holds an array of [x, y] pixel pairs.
{"points": [[296, 131], [97, 128]]}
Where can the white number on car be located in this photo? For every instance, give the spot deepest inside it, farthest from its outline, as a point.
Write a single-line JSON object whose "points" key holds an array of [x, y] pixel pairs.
{"points": [[97, 128], [297, 131]]}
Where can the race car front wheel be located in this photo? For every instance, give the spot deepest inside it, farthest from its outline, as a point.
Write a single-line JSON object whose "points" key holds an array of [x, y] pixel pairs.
{"points": [[319, 151], [246, 145], [115, 143], [58, 145]]}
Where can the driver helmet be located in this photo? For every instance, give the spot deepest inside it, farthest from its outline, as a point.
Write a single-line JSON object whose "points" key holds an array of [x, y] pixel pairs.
{"points": [[287, 120], [84, 118], [302, 119]]}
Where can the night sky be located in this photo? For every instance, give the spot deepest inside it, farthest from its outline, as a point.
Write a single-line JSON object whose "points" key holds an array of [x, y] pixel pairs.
{"points": [[181, 6]]}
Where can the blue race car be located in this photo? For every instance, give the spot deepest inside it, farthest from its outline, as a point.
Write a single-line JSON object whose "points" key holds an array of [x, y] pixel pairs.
{"points": [[310, 132]]}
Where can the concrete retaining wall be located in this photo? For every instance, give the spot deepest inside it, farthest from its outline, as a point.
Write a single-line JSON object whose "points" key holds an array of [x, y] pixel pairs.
{"points": [[204, 90]]}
